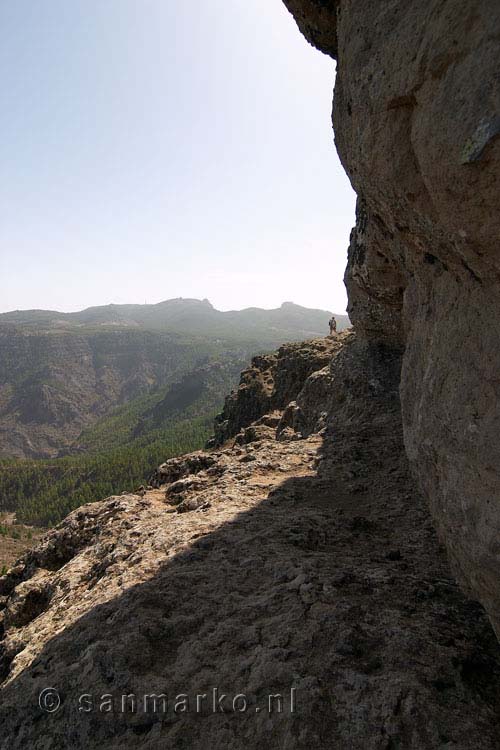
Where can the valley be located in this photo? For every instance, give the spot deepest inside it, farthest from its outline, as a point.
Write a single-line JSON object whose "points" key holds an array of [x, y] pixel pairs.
{"points": [[91, 402]]}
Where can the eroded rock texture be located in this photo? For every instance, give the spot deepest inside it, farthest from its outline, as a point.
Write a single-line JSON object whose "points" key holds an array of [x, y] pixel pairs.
{"points": [[298, 554], [292, 561], [417, 119], [270, 383]]}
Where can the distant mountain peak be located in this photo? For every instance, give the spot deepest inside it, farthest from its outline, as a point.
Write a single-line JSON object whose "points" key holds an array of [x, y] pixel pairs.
{"points": [[184, 315]]}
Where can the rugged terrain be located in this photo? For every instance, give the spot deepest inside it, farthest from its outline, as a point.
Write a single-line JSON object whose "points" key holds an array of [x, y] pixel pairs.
{"points": [[416, 116], [15, 538], [298, 555], [62, 373]]}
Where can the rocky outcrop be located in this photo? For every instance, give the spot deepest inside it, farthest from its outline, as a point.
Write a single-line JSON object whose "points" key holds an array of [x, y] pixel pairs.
{"points": [[183, 466], [305, 568], [298, 558], [417, 118], [270, 383]]}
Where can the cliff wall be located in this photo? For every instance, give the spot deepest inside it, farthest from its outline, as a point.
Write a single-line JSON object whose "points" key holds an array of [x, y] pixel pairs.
{"points": [[417, 118], [298, 552]]}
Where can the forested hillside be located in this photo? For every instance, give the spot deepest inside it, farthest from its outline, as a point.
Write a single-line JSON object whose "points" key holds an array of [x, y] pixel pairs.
{"points": [[42, 492], [55, 385], [60, 374], [92, 402], [119, 452]]}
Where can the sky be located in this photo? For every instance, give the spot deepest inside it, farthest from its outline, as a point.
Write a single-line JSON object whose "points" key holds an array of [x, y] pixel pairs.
{"points": [[152, 149]]}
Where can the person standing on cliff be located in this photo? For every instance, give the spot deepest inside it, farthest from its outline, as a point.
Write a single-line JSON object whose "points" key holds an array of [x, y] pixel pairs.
{"points": [[333, 326]]}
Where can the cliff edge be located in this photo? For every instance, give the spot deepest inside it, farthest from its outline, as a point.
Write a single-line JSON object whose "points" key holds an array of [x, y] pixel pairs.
{"points": [[296, 557], [295, 562]]}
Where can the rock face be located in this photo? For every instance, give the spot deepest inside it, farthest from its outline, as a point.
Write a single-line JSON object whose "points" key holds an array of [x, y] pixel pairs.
{"points": [[304, 567], [270, 383], [417, 119], [297, 557]]}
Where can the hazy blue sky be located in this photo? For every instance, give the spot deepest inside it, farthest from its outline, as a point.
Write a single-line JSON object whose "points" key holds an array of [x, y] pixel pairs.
{"points": [[161, 148]]}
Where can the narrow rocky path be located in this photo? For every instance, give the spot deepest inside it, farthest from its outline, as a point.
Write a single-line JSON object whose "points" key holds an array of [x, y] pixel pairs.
{"points": [[302, 568]]}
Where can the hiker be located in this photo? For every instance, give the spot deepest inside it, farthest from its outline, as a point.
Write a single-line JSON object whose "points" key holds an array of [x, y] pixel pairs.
{"points": [[333, 326]]}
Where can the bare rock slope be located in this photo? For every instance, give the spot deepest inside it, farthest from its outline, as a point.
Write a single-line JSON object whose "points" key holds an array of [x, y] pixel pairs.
{"points": [[417, 124], [270, 383], [297, 560]]}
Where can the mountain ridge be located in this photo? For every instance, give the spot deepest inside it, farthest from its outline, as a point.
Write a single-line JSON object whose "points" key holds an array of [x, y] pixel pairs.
{"points": [[182, 315], [60, 373]]}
